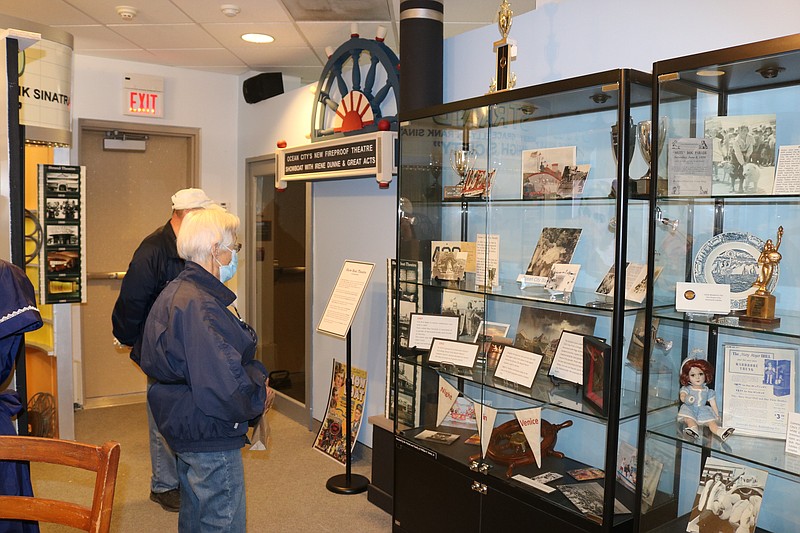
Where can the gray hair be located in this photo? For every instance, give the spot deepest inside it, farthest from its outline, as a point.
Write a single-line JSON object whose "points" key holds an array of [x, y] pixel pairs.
{"points": [[202, 229]]}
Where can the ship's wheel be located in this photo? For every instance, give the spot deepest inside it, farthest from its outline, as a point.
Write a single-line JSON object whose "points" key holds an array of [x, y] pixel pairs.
{"points": [[345, 106]]}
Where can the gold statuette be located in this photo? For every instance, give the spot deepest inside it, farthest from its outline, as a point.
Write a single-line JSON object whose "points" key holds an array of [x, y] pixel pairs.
{"points": [[761, 304]]}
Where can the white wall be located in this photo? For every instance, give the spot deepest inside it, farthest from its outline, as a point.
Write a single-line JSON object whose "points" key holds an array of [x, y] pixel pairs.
{"points": [[193, 99], [574, 37], [352, 219]]}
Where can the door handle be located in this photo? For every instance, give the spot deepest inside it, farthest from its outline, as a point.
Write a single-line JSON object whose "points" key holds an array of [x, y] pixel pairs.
{"points": [[105, 275]]}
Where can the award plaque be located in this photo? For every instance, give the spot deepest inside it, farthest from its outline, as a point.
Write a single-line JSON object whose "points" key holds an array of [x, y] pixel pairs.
{"points": [[761, 304]]}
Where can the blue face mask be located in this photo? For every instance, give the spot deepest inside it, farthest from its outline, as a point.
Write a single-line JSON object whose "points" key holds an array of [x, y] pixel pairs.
{"points": [[226, 272]]}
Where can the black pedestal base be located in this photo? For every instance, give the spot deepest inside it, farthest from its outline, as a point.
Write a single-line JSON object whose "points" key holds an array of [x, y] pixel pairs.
{"points": [[339, 485]]}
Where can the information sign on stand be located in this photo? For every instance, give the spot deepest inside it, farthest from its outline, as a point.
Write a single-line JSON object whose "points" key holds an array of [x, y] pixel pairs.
{"points": [[336, 321], [345, 299]]}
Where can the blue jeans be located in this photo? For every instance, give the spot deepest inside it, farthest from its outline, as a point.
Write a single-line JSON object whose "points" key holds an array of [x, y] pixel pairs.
{"points": [[212, 492], [163, 465]]}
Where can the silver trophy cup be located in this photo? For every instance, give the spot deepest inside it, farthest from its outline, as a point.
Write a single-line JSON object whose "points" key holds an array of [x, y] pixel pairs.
{"points": [[462, 162], [645, 137]]}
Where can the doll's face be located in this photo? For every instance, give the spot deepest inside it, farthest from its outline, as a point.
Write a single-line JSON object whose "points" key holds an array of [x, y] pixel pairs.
{"points": [[696, 377]]}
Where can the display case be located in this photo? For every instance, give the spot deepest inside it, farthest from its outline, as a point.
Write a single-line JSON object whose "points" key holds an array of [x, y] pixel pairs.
{"points": [[725, 235], [517, 359]]}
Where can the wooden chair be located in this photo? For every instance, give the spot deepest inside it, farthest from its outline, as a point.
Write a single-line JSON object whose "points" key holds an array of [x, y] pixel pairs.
{"points": [[102, 460]]}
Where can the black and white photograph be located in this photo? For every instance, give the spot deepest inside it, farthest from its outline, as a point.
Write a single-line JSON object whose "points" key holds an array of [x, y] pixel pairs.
{"points": [[728, 498], [468, 308], [437, 436], [573, 181], [556, 245], [58, 235], [539, 331], [588, 498], [62, 182], [62, 209], [744, 154], [562, 277], [543, 169]]}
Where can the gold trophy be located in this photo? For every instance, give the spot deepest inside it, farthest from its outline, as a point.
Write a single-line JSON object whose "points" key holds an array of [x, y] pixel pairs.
{"points": [[761, 304], [505, 52]]}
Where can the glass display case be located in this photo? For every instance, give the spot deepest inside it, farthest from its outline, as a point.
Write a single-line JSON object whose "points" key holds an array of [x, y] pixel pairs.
{"points": [[725, 232], [517, 358]]}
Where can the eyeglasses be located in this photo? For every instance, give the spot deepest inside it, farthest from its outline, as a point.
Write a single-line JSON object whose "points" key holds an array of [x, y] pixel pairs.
{"points": [[235, 247]]}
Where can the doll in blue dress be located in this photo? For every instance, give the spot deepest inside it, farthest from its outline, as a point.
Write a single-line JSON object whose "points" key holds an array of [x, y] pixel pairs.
{"points": [[698, 402]]}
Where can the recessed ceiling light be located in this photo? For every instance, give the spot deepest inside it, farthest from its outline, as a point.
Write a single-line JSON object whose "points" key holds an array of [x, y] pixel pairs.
{"points": [[711, 73], [258, 38]]}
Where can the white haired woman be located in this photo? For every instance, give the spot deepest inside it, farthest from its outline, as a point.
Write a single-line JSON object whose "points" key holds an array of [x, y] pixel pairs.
{"points": [[208, 383]]}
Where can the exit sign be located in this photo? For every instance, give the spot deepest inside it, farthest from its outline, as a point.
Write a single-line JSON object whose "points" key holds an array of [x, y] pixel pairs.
{"points": [[143, 96]]}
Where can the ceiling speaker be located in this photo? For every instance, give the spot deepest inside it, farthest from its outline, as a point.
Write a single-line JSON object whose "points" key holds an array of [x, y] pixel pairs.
{"points": [[262, 86]]}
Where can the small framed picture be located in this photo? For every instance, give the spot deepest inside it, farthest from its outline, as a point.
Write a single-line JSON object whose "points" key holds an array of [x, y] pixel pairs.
{"points": [[596, 359]]}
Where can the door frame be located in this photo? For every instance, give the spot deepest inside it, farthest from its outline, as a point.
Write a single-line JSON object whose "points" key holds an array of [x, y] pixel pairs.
{"points": [[73, 377], [265, 165]]}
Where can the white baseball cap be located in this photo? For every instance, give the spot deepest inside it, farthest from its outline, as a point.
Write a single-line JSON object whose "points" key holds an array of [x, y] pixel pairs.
{"points": [[191, 199]]}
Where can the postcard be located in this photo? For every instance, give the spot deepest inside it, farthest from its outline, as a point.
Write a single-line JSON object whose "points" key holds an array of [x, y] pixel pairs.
{"points": [[585, 474], [437, 436], [562, 277], [543, 169], [556, 245]]}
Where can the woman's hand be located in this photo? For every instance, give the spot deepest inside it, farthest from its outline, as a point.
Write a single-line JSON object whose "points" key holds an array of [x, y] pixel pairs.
{"points": [[270, 397]]}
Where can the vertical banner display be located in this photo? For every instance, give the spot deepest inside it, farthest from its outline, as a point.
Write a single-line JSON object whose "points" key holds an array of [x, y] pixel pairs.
{"points": [[485, 416], [448, 395], [331, 437], [530, 420], [62, 259]]}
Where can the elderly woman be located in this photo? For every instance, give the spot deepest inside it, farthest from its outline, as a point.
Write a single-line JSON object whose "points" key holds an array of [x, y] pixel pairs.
{"points": [[208, 383]]}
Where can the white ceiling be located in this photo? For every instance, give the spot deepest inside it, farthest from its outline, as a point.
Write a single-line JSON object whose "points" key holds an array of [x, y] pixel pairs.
{"points": [[196, 34]]}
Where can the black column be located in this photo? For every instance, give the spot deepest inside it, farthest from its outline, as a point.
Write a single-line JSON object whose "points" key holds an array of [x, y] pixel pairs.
{"points": [[17, 203], [421, 43]]}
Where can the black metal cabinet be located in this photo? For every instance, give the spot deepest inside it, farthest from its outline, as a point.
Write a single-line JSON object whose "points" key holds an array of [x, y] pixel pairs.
{"points": [[492, 192], [711, 227]]}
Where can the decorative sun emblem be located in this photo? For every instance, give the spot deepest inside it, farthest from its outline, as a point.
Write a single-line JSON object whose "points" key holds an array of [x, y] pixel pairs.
{"points": [[346, 104], [354, 112]]}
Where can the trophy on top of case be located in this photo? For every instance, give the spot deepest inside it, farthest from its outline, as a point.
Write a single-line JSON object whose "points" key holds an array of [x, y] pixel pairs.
{"points": [[505, 51], [761, 304]]}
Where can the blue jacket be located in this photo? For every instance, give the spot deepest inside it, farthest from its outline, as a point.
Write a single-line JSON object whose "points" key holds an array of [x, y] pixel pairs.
{"points": [[208, 383]]}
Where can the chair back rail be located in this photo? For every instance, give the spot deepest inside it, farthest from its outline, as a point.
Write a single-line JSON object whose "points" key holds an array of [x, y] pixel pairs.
{"points": [[102, 460]]}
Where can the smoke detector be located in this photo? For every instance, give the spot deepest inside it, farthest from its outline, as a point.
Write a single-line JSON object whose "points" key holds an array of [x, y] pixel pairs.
{"points": [[229, 10], [127, 12]]}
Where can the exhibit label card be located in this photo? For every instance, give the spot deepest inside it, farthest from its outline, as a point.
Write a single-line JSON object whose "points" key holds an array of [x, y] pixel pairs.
{"points": [[702, 298], [690, 167], [425, 328], [345, 298], [448, 395], [568, 359], [787, 172], [793, 434], [453, 352], [759, 389], [530, 420], [487, 270], [518, 366]]}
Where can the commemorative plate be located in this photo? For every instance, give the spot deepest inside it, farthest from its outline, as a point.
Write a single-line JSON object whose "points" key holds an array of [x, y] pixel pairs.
{"points": [[732, 258]]}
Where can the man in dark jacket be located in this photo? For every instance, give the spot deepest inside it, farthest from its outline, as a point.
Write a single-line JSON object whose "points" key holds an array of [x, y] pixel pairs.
{"points": [[155, 263]]}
